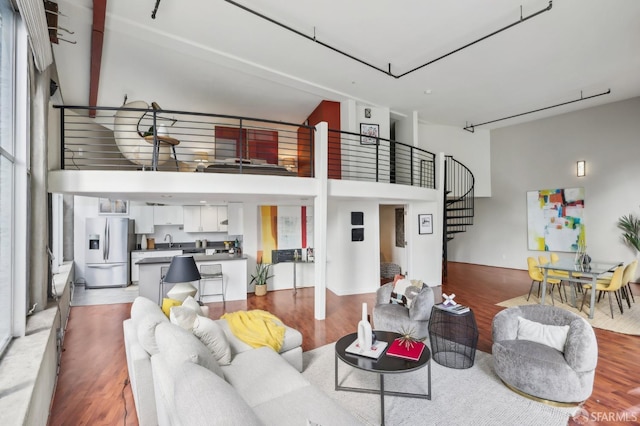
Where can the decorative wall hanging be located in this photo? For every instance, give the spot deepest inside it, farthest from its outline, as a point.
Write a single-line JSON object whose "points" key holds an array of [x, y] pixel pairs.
{"points": [[400, 227], [371, 133], [357, 234], [357, 218], [556, 219], [425, 224]]}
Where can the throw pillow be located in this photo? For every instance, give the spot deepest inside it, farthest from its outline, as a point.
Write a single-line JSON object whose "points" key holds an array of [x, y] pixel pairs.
{"points": [[191, 303], [549, 335], [183, 317], [213, 337], [167, 304], [404, 292], [179, 345]]}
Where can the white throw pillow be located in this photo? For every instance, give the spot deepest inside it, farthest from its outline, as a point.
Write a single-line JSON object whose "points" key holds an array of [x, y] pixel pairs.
{"points": [[213, 337], [179, 345], [549, 335], [192, 303], [183, 317]]}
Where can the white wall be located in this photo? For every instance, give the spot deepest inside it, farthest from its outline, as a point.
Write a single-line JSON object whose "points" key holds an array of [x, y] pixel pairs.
{"points": [[543, 154], [471, 149]]}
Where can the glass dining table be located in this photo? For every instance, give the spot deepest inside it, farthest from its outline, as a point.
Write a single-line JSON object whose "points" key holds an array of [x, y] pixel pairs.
{"points": [[577, 273]]}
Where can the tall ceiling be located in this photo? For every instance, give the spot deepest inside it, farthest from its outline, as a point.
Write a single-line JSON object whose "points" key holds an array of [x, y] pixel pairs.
{"points": [[212, 56]]}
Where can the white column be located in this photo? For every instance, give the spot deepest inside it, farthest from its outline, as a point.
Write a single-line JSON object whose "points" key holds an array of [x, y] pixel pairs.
{"points": [[321, 152]]}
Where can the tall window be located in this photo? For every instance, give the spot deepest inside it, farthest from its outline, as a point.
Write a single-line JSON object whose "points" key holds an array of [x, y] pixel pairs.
{"points": [[7, 169]]}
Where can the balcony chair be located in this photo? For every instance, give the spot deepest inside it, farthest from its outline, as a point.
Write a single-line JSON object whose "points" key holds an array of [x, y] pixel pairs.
{"points": [[132, 144]]}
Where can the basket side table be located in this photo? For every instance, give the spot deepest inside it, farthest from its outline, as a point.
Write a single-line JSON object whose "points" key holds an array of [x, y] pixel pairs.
{"points": [[453, 338]]}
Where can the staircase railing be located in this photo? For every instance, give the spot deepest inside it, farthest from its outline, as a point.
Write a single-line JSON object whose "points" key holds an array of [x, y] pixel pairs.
{"points": [[458, 202]]}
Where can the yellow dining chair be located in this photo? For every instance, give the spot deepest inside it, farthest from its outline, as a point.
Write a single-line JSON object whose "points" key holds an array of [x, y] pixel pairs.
{"points": [[536, 277], [543, 260], [613, 287], [625, 288]]}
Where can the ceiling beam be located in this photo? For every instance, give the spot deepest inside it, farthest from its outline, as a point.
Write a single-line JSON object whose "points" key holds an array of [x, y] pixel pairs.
{"points": [[97, 36]]}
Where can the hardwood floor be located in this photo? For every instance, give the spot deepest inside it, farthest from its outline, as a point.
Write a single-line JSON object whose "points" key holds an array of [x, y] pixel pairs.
{"points": [[93, 385]]}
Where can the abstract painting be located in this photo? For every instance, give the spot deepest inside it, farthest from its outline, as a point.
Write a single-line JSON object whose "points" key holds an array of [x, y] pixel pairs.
{"points": [[556, 219]]}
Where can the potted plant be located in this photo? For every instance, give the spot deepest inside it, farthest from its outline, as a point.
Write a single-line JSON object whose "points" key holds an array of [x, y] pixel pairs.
{"points": [[630, 225], [260, 277]]}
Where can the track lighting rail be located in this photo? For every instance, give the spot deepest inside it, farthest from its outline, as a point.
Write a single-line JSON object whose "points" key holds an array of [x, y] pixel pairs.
{"points": [[362, 61], [471, 127]]}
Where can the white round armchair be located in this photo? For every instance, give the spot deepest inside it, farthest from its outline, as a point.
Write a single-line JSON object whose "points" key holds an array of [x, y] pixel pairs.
{"points": [[133, 146]]}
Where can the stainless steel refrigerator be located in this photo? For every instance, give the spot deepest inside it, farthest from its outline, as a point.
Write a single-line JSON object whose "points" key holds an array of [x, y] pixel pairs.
{"points": [[108, 245]]}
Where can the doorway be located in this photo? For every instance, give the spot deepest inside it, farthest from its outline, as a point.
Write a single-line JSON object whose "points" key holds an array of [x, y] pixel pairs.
{"points": [[393, 245]]}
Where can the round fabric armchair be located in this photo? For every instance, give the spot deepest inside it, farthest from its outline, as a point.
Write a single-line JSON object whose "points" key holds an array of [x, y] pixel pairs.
{"points": [[545, 352]]}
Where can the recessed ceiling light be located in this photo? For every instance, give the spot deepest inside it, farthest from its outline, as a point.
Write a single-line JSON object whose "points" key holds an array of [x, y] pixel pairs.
{"points": [[202, 201], [427, 92]]}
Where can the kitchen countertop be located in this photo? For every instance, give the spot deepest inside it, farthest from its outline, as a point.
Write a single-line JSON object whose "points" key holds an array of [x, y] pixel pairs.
{"points": [[197, 257]]}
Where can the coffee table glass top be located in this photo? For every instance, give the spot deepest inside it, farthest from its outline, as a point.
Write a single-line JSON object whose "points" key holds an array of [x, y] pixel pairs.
{"points": [[384, 364]]}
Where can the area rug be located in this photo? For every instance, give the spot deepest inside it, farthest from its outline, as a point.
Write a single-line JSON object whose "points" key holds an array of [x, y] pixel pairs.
{"points": [[627, 323], [459, 397]]}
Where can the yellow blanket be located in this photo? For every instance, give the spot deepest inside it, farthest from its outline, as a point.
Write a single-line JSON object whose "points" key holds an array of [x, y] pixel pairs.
{"points": [[256, 328]]}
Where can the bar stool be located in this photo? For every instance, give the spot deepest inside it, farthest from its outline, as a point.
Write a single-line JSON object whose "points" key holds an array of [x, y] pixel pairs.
{"points": [[210, 273], [163, 273]]}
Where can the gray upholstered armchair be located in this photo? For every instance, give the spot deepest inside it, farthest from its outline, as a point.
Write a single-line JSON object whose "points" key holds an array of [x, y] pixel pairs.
{"points": [[540, 370], [392, 317]]}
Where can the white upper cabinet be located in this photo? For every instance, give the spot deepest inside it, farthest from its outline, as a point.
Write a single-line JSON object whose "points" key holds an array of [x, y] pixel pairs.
{"points": [[204, 218], [143, 217], [235, 219], [168, 215]]}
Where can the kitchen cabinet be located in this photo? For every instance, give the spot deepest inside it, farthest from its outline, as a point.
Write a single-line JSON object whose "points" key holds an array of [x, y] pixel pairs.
{"points": [[167, 215], [143, 217], [235, 219], [204, 218], [139, 255]]}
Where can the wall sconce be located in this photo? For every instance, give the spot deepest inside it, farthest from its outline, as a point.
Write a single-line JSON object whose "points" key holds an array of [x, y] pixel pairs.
{"points": [[581, 170]]}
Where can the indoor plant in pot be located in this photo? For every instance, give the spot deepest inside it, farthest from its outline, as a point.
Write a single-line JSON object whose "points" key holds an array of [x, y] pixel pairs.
{"points": [[260, 277], [630, 225]]}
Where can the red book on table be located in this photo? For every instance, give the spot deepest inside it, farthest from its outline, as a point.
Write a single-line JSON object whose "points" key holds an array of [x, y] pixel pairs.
{"points": [[399, 350]]}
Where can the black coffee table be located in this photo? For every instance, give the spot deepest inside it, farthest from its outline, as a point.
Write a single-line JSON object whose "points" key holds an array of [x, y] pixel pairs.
{"points": [[384, 365]]}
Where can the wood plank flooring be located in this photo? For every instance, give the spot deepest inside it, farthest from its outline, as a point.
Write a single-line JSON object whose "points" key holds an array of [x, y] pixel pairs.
{"points": [[92, 386]]}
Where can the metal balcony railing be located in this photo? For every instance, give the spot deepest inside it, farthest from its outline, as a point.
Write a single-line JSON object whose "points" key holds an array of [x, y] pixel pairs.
{"points": [[353, 156], [139, 137]]}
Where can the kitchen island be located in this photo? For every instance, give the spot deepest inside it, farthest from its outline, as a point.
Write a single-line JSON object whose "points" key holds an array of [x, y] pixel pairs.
{"points": [[234, 270]]}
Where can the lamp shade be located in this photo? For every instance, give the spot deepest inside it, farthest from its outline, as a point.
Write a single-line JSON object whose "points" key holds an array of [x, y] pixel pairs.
{"points": [[183, 269]]}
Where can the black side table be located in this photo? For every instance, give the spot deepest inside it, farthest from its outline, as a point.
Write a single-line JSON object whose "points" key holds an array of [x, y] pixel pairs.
{"points": [[453, 337]]}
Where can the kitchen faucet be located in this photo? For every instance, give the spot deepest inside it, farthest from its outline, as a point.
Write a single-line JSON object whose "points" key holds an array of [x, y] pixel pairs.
{"points": [[170, 240]]}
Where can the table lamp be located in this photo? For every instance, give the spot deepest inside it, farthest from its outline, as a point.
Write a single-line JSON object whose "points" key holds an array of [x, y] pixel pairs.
{"points": [[183, 269]]}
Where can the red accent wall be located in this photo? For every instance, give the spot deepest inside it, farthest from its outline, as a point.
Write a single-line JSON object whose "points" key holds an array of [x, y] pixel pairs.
{"points": [[329, 111]]}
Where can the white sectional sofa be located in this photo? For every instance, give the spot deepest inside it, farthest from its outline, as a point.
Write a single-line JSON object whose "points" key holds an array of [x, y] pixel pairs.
{"points": [[177, 379]]}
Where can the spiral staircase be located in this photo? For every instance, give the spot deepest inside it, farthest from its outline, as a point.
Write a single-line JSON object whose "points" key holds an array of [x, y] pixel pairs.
{"points": [[458, 203]]}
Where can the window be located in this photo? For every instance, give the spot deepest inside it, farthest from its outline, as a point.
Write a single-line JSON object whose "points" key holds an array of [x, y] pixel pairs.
{"points": [[7, 168]]}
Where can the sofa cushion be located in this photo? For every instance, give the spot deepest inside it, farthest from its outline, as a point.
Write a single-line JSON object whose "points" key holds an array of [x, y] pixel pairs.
{"points": [[305, 406], [260, 375], [192, 303], [146, 315], [213, 337], [178, 345], [554, 336], [168, 303], [182, 317], [404, 292], [193, 395]]}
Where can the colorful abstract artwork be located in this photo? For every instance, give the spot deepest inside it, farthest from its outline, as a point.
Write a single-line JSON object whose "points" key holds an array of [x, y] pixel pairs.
{"points": [[556, 219]]}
